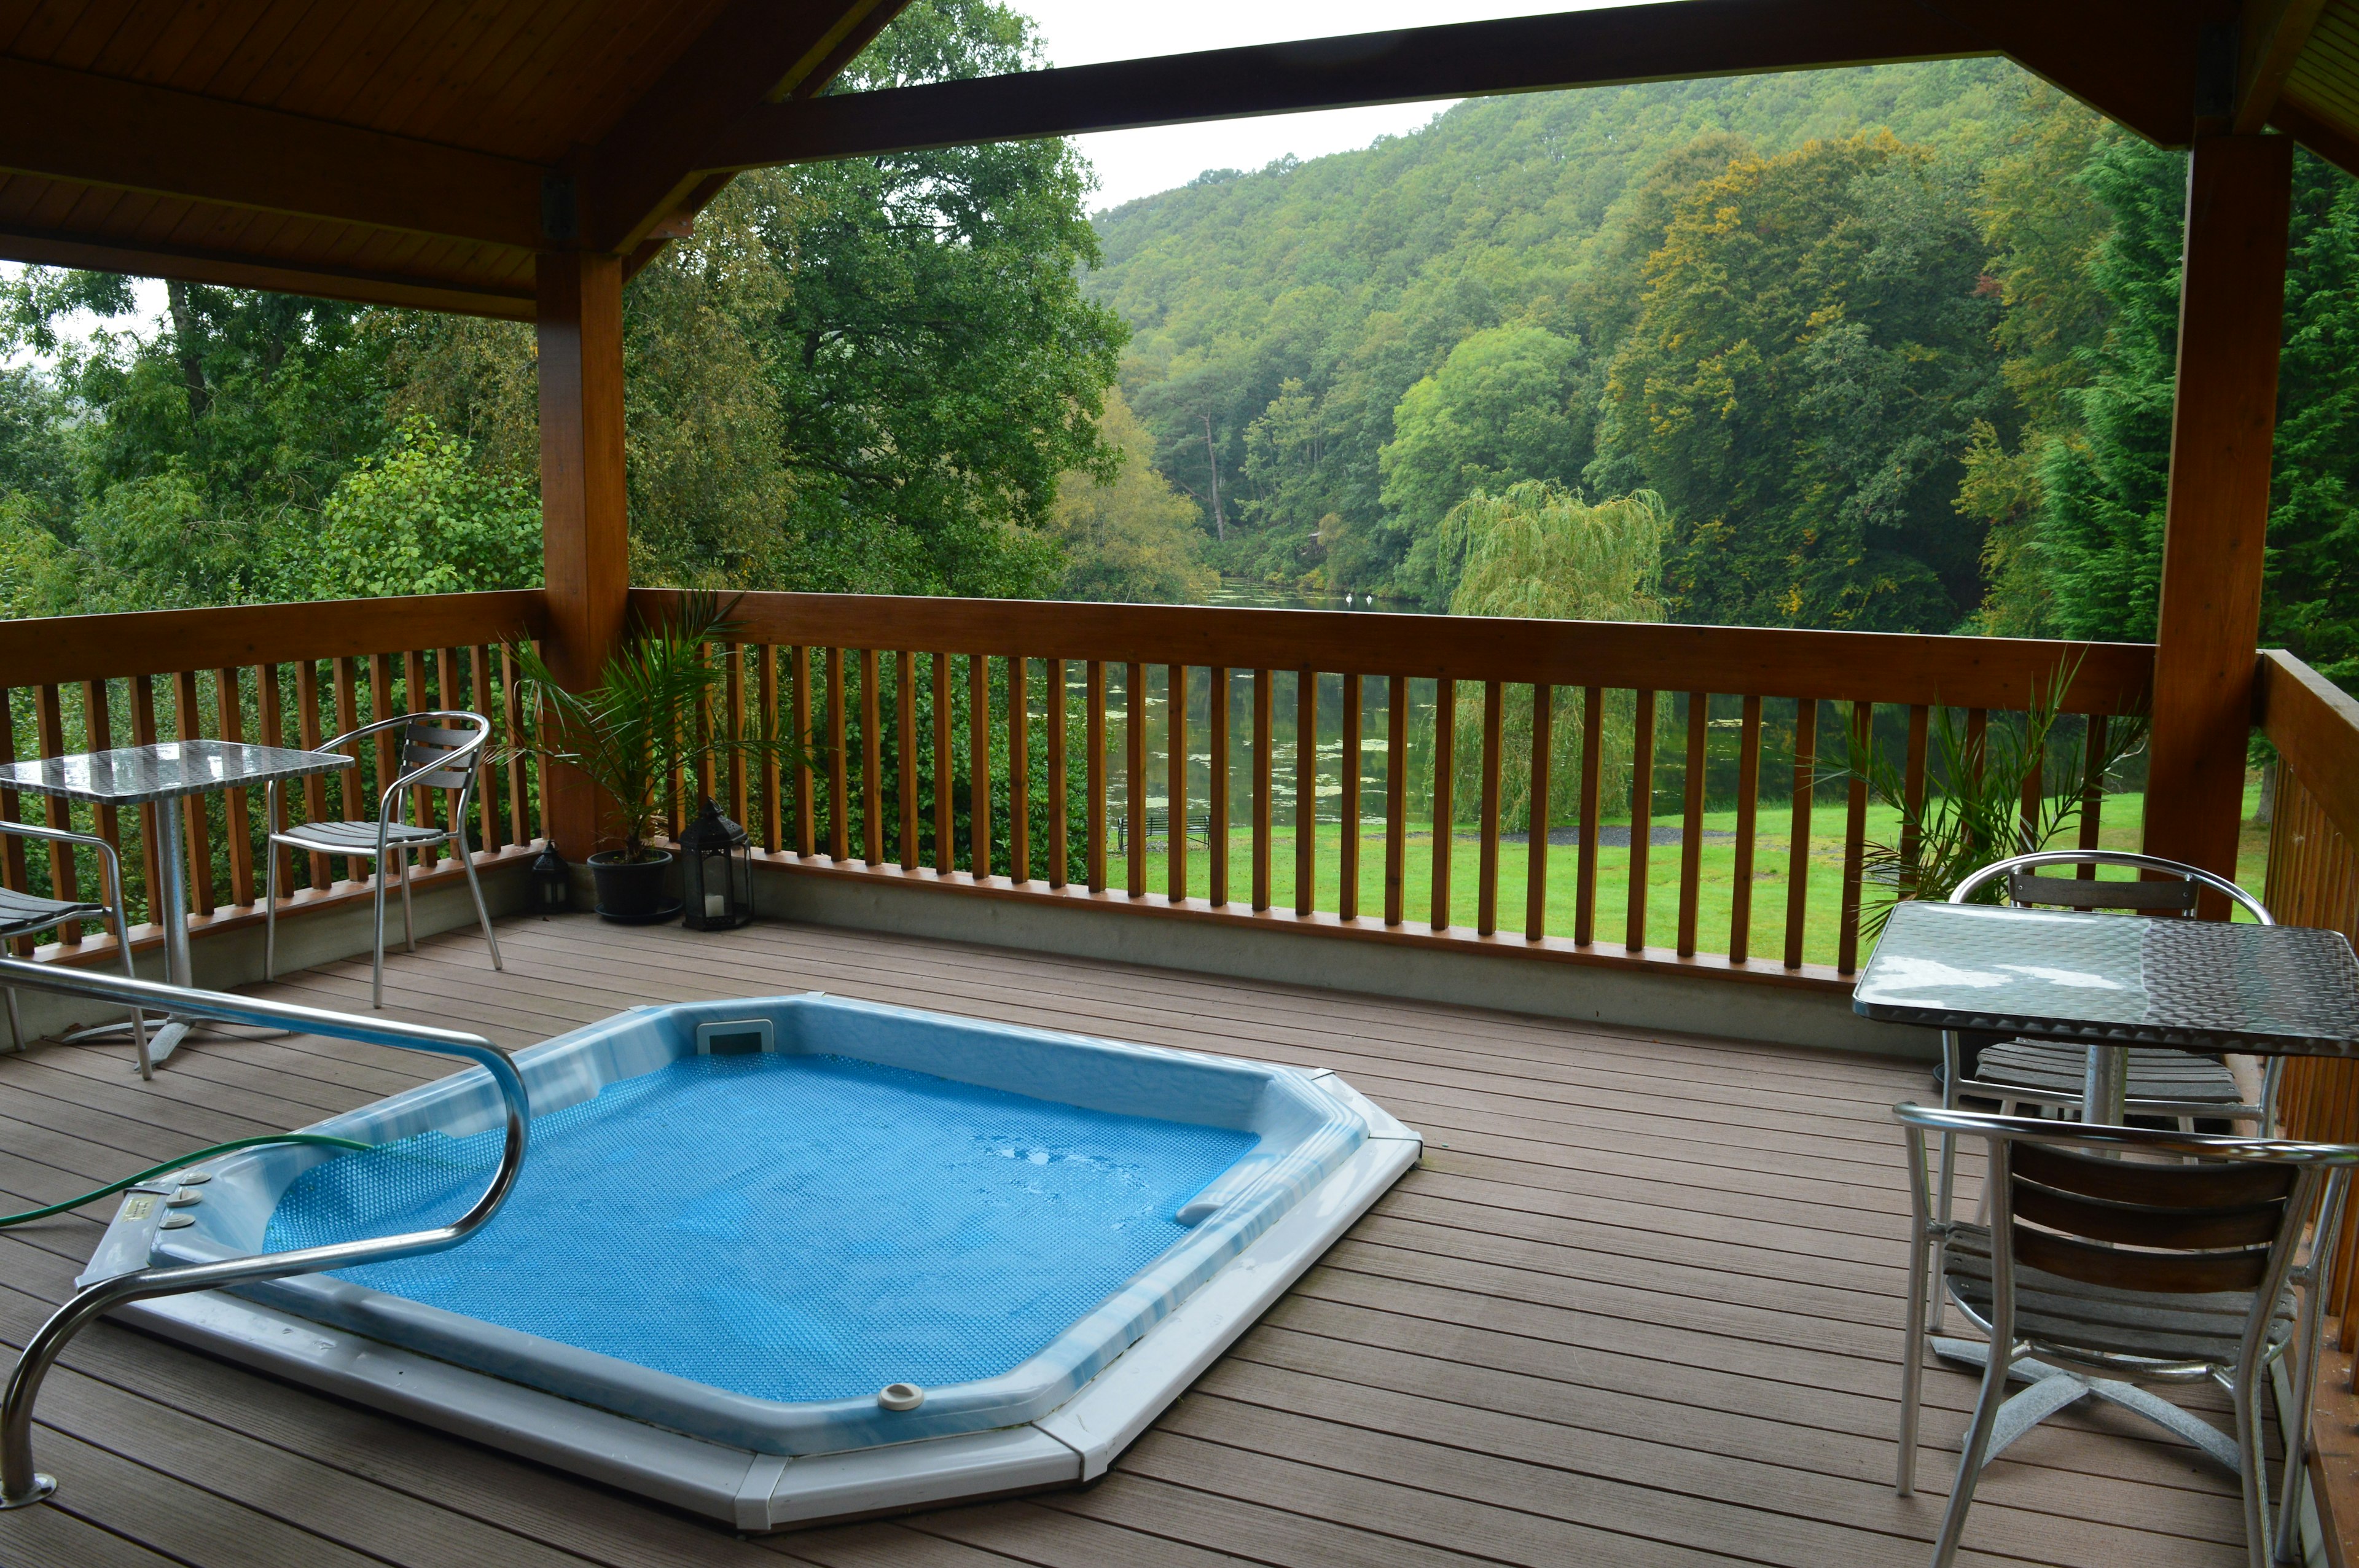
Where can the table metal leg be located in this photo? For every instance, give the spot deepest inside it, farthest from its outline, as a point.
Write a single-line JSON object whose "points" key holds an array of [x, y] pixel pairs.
{"points": [[2106, 1088], [172, 906], [2054, 1389]]}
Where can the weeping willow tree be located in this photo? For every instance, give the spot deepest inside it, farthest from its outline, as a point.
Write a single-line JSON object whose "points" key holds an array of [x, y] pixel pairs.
{"points": [[1537, 550]]}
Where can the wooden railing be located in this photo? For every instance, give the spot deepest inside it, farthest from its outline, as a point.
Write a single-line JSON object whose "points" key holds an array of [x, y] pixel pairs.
{"points": [[924, 768], [277, 674], [2313, 880]]}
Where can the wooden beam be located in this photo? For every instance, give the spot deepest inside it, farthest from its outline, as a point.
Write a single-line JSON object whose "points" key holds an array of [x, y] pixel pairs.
{"points": [[645, 169], [2273, 35], [70, 124], [585, 538], [2331, 142], [2231, 318], [1679, 40], [230, 270]]}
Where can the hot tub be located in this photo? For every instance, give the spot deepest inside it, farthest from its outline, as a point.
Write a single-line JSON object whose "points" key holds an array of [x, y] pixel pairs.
{"points": [[798, 1258]]}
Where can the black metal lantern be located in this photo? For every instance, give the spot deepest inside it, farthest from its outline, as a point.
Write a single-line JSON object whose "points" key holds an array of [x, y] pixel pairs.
{"points": [[552, 880], [716, 872]]}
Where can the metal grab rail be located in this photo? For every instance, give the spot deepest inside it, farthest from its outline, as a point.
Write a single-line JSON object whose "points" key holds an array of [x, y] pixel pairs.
{"points": [[20, 1484]]}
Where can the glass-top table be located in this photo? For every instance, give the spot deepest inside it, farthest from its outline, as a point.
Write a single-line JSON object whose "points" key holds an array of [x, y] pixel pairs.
{"points": [[2115, 981], [161, 775]]}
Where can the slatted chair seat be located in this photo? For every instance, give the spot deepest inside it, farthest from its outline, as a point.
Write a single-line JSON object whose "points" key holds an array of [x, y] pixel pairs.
{"points": [[345, 837], [2057, 1314], [23, 913], [2156, 1073]]}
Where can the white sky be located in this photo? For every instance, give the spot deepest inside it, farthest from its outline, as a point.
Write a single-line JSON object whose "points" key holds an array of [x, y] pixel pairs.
{"points": [[1132, 164]]}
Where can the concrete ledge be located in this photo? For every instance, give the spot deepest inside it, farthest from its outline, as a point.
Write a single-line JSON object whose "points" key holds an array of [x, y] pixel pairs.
{"points": [[1628, 995], [227, 949]]}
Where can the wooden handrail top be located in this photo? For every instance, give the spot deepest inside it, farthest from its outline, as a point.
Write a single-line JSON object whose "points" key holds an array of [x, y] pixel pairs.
{"points": [[55, 650], [2315, 728], [1872, 666]]}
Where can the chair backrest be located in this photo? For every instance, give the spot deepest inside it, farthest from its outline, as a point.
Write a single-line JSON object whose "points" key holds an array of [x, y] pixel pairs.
{"points": [[2168, 888], [448, 754]]}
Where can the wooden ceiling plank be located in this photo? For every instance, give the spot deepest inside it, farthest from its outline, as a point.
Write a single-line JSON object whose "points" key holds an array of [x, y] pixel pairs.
{"points": [[581, 106], [282, 22], [2275, 32], [55, 249], [2329, 140], [129, 43], [1679, 40], [100, 131], [97, 22], [460, 83], [280, 82], [396, 95], [15, 16], [340, 91], [185, 53], [648, 159], [554, 31], [51, 22]]}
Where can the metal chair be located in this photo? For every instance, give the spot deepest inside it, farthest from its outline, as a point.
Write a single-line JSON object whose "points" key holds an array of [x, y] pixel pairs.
{"points": [[439, 750], [22, 914], [2131, 1269], [2180, 1085]]}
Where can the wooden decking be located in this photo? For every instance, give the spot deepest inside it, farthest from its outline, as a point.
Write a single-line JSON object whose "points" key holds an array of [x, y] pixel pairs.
{"points": [[1640, 1305]]}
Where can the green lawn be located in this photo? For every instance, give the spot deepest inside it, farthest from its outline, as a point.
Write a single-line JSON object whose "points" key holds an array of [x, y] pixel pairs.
{"points": [[2123, 820]]}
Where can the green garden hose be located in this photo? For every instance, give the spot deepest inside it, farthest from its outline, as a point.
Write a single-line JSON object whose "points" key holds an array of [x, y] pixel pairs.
{"points": [[182, 1164]]}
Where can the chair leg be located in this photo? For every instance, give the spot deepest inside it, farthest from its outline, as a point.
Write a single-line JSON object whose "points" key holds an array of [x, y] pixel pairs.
{"points": [[482, 915], [138, 1019], [376, 954], [408, 926], [1912, 1340], [270, 912], [16, 1022], [2253, 1463], [1978, 1436]]}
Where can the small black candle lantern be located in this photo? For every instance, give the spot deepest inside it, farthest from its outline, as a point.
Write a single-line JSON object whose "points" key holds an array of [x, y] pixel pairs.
{"points": [[552, 880], [716, 870]]}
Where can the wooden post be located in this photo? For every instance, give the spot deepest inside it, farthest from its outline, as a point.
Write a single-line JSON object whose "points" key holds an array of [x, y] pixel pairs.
{"points": [[585, 542], [2231, 317]]}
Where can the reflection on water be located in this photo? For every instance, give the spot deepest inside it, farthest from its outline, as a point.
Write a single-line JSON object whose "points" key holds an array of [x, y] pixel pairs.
{"points": [[1244, 593]]}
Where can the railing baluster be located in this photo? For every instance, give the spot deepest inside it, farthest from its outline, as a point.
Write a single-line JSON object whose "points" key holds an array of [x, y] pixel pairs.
{"points": [[798, 721], [1912, 796], [2092, 790], [1216, 827], [1306, 790], [1486, 891], [189, 712], [270, 713], [1059, 783], [1094, 739], [1593, 747], [1863, 720], [98, 735], [1175, 787], [1535, 827], [945, 768], [237, 821], [1261, 803], [1347, 832], [309, 732], [765, 700], [978, 750], [905, 753], [872, 761], [48, 721], [2034, 781], [416, 699], [488, 838], [1691, 818], [733, 696], [13, 870], [1642, 820], [1395, 800], [1020, 768], [1798, 869], [839, 763], [1134, 778], [1445, 810], [1748, 828]]}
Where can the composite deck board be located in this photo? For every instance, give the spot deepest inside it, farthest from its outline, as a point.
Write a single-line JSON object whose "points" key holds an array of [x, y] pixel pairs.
{"points": [[1640, 1305]]}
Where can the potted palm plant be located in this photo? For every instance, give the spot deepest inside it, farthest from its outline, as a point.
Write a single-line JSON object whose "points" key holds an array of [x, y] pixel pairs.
{"points": [[646, 722]]}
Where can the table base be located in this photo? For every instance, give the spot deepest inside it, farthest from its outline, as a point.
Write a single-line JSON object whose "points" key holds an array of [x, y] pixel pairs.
{"points": [[2054, 1389], [166, 1037]]}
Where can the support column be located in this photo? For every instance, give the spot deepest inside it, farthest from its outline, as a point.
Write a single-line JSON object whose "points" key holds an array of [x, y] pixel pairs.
{"points": [[585, 538], [2231, 320]]}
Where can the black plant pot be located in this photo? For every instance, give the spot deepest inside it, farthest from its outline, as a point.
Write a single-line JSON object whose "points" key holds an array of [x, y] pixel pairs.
{"points": [[633, 892]]}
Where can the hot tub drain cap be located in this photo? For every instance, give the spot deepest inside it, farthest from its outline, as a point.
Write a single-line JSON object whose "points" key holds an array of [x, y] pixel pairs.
{"points": [[900, 1396]]}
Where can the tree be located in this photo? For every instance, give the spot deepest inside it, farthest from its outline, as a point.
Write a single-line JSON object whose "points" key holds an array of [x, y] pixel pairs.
{"points": [[1803, 380], [1497, 412], [1130, 539], [417, 518]]}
